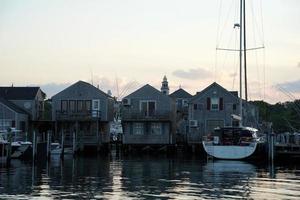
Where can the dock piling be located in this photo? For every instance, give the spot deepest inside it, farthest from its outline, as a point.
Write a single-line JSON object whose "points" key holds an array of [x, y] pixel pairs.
{"points": [[48, 145], [8, 157], [62, 145], [74, 143], [34, 146]]}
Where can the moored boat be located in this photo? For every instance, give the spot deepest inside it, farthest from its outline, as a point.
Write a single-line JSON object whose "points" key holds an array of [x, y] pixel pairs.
{"points": [[231, 143]]}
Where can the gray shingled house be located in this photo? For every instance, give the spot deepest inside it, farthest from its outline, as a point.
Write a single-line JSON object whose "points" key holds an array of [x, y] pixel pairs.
{"points": [[182, 98], [213, 107], [86, 111], [148, 118], [20, 107]]}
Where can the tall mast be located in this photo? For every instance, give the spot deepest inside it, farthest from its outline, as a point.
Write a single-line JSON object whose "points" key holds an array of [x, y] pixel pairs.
{"points": [[241, 61], [245, 58]]}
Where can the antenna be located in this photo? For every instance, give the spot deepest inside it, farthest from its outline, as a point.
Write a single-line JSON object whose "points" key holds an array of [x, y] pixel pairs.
{"points": [[92, 76], [117, 86]]}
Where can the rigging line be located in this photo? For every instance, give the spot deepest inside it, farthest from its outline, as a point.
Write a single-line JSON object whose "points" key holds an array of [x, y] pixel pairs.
{"points": [[295, 105], [226, 20], [262, 24], [255, 43], [255, 24], [216, 63], [219, 21], [226, 55], [235, 62], [290, 95]]}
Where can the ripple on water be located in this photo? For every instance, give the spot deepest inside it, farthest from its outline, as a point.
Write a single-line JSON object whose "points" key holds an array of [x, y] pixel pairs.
{"points": [[147, 178]]}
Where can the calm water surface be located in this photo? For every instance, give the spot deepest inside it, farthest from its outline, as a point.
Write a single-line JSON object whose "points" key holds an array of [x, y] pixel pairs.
{"points": [[148, 177]]}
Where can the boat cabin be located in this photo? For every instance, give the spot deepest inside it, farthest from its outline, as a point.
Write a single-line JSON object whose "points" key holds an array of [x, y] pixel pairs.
{"points": [[240, 136]]}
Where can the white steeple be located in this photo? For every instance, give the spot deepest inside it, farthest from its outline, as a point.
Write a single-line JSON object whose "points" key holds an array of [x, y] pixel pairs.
{"points": [[165, 86]]}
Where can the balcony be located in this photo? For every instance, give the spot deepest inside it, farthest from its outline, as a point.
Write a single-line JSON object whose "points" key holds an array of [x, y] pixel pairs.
{"points": [[87, 115], [146, 116]]}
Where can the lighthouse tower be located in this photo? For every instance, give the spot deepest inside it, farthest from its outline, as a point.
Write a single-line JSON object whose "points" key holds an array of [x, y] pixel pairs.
{"points": [[164, 86]]}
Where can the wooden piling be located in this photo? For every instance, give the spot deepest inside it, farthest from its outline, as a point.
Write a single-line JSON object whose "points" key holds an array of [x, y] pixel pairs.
{"points": [[8, 157], [33, 146], [48, 145], [74, 143], [62, 144]]}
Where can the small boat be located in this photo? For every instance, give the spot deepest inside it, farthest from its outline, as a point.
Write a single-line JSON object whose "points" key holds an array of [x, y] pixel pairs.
{"points": [[56, 149], [19, 149], [231, 143]]}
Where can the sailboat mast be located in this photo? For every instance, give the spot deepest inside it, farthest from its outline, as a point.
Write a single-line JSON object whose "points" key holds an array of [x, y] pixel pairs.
{"points": [[241, 61], [245, 57]]}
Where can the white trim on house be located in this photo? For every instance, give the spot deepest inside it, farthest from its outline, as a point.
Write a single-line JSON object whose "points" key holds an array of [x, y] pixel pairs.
{"points": [[147, 101]]}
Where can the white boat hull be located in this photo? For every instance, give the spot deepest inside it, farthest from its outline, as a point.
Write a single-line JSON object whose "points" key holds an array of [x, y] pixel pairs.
{"points": [[230, 152]]}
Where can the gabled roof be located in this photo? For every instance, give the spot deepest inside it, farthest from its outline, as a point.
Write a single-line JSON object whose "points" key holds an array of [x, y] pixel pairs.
{"points": [[12, 106], [146, 90], [80, 84], [181, 93], [19, 93], [214, 84]]}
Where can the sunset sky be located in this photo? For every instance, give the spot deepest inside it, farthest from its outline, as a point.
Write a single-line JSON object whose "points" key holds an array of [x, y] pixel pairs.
{"points": [[133, 42]]}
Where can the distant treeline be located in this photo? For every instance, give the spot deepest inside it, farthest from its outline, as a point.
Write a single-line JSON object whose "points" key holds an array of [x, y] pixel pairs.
{"points": [[284, 116]]}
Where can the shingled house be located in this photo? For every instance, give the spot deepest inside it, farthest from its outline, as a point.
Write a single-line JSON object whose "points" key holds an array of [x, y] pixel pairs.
{"points": [[20, 107], [148, 118], [182, 98], [214, 107], [86, 111]]}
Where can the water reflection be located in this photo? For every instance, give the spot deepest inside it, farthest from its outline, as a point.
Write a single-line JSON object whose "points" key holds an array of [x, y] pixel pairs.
{"points": [[147, 177]]}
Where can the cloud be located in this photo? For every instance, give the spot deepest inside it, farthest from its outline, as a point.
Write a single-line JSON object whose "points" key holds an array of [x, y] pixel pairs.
{"points": [[194, 74], [290, 86]]}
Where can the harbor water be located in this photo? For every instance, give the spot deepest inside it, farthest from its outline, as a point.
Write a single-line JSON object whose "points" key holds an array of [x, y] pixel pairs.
{"points": [[148, 177]]}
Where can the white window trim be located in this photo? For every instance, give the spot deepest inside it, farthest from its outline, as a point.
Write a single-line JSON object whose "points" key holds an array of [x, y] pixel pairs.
{"points": [[99, 105], [158, 128], [140, 128], [143, 101]]}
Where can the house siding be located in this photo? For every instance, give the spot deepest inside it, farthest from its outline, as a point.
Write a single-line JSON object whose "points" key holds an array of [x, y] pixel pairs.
{"points": [[164, 116], [84, 123], [206, 116]]}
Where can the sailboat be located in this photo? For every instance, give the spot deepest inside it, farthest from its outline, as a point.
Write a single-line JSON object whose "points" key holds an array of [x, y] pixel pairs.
{"points": [[235, 142]]}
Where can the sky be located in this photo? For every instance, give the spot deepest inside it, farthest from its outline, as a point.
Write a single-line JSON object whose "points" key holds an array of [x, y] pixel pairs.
{"points": [[120, 45]]}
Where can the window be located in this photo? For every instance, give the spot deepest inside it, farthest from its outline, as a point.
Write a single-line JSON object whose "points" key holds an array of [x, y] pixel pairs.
{"points": [[138, 128], [96, 107], [185, 103], [214, 103], [64, 105], [22, 125], [148, 108], [88, 105], [79, 106], [179, 103], [156, 128], [72, 105], [96, 104], [234, 106], [195, 106], [4, 124]]}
